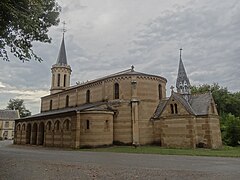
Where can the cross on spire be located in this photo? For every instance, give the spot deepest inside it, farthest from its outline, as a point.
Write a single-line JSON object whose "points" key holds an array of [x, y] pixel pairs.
{"points": [[180, 53], [64, 27]]}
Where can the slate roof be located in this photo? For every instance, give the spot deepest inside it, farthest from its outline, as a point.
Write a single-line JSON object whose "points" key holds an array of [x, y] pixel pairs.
{"points": [[160, 108], [83, 107], [9, 114], [182, 76], [198, 104], [62, 57]]}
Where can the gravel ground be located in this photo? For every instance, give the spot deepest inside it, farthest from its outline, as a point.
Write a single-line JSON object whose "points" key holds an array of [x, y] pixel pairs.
{"points": [[32, 162]]}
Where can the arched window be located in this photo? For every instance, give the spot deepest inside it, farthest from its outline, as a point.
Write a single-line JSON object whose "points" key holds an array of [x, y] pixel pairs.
{"points": [[66, 125], [53, 80], [116, 91], [50, 105], [58, 80], [23, 127], [57, 126], [18, 127], [176, 109], [64, 80], [67, 101], [160, 91], [49, 126], [88, 96], [87, 124], [172, 110]]}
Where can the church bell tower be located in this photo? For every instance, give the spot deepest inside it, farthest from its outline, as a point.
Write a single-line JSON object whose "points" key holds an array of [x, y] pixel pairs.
{"points": [[183, 84], [61, 71]]}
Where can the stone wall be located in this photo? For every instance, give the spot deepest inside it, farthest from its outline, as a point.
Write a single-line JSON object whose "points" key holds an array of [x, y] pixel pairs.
{"points": [[96, 128]]}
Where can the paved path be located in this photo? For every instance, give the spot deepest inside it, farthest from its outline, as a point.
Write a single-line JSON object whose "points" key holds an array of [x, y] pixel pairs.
{"points": [[27, 162]]}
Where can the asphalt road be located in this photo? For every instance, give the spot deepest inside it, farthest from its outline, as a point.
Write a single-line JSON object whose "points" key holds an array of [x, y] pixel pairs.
{"points": [[28, 162]]}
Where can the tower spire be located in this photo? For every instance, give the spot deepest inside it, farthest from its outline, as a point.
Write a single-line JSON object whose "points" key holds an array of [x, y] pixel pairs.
{"points": [[61, 71], [182, 84], [62, 57]]}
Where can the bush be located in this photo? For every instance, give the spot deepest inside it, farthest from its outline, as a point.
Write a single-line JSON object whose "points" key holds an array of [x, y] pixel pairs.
{"points": [[230, 127]]}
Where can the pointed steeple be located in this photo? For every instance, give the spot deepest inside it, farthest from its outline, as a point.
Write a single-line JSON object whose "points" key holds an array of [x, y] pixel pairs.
{"points": [[61, 71], [62, 57], [182, 84]]}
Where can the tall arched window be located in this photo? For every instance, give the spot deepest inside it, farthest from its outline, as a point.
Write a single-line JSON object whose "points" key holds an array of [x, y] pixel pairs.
{"points": [[57, 124], [53, 80], [88, 96], [87, 124], [49, 126], [64, 80], [58, 80], [160, 91], [50, 105], [67, 101], [66, 125], [172, 110], [176, 109], [23, 127], [116, 91]]}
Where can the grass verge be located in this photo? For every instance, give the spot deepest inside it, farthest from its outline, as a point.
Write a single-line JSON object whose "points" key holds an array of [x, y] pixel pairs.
{"points": [[226, 151]]}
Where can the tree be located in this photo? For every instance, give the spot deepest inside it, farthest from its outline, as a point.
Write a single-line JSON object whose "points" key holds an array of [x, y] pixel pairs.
{"points": [[230, 127], [23, 22], [18, 104]]}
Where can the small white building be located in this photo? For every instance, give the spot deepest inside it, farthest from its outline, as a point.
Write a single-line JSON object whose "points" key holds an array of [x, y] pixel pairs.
{"points": [[7, 123]]}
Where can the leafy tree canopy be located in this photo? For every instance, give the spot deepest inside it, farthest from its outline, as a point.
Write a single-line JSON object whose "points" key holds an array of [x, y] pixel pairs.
{"points": [[25, 21], [18, 104]]}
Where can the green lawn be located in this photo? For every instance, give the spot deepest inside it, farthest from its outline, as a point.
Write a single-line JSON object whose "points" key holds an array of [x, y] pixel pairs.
{"points": [[226, 151]]}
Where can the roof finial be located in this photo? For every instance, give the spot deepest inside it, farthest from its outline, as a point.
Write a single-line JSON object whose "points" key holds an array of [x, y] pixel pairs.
{"points": [[180, 53], [64, 27], [132, 68], [172, 88]]}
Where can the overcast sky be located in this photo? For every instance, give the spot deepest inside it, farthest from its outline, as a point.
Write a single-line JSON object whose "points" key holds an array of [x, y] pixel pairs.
{"points": [[108, 36]]}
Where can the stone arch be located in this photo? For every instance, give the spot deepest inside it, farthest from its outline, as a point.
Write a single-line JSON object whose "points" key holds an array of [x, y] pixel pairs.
{"points": [[18, 127], [49, 126], [57, 126], [34, 133], [41, 130], [23, 127], [28, 133], [67, 125], [66, 133]]}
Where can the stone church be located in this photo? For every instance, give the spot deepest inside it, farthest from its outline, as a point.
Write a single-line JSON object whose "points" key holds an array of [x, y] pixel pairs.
{"points": [[126, 107]]}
